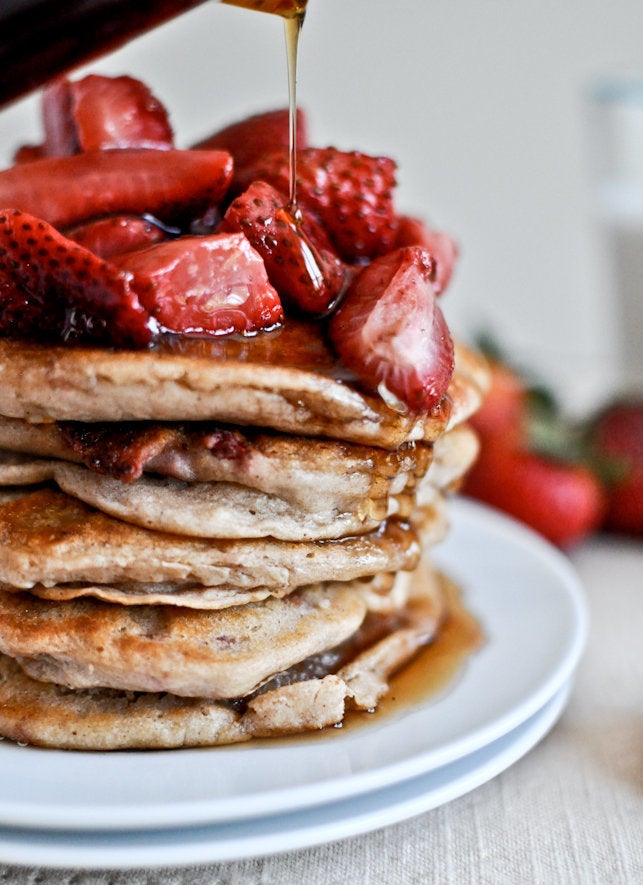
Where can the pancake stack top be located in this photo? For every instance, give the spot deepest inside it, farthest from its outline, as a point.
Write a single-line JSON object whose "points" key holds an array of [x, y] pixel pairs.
{"points": [[214, 537]]}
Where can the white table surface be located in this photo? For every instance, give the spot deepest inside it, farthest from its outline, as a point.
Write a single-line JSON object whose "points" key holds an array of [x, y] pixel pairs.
{"points": [[569, 813]]}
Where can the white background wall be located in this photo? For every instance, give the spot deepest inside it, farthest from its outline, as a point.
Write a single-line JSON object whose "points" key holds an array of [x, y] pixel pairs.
{"points": [[483, 105]]}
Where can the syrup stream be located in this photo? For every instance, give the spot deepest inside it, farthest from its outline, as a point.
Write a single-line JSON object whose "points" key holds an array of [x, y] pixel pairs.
{"points": [[292, 30]]}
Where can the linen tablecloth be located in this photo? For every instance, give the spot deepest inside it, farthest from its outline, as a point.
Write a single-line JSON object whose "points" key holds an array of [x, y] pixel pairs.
{"points": [[568, 813]]}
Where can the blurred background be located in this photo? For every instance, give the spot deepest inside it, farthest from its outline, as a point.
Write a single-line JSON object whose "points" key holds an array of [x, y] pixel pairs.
{"points": [[517, 127]]}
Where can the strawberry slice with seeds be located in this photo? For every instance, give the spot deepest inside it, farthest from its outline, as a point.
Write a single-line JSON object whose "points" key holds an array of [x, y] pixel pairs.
{"points": [[210, 285], [102, 113], [350, 192], [54, 290], [390, 331], [300, 262], [414, 232], [173, 185], [107, 237], [249, 139]]}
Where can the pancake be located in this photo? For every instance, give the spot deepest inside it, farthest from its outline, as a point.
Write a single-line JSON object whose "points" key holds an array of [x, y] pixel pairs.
{"points": [[221, 510], [49, 538], [85, 643], [294, 468], [382, 591], [49, 715], [453, 455], [17, 469], [287, 380]]}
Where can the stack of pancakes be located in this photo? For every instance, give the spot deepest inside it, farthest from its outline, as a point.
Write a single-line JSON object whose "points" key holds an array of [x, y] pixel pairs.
{"points": [[212, 540]]}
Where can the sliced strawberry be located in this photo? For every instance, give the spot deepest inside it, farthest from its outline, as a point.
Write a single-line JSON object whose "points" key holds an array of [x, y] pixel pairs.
{"points": [[172, 185], [52, 289], [300, 262], [414, 232], [562, 501], [351, 194], [249, 139], [110, 236], [27, 153], [211, 285], [102, 113], [390, 331]]}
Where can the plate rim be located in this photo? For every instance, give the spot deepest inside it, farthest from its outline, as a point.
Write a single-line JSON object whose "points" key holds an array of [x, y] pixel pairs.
{"points": [[217, 843]]}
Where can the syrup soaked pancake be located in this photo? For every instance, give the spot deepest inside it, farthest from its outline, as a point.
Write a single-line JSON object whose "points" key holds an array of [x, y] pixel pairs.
{"points": [[288, 380], [288, 488], [85, 643], [294, 467], [306, 697], [49, 538]]}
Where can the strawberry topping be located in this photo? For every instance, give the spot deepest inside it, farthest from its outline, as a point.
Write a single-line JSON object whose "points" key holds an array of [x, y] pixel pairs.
{"points": [[110, 236], [172, 185], [350, 193], [249, 139], [211, 285], [102, 113], [300, 261], [52, 289], [444, 250], [390, 331]]}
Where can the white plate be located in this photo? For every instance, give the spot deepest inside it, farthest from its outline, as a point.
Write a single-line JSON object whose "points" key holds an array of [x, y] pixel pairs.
{"points": [[287, 832], [528, 599]]}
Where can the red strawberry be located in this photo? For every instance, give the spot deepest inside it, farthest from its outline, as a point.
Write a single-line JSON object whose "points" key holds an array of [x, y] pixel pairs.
{"points": [[414, 232], [350, 193], [563, 502], [504, 412], [117, 233], [616, 440], [300, 262], [27, 153], [390, 331], [53, 289], [210, 285], [100, 113], [171, 185], [249, 139]]}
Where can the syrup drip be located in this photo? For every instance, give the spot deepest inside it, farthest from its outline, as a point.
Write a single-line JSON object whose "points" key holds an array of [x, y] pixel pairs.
{"points": [[292, 30], [293, 13]]}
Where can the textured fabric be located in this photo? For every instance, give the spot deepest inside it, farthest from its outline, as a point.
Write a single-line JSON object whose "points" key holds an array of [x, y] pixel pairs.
{"points": [[569, 813]]}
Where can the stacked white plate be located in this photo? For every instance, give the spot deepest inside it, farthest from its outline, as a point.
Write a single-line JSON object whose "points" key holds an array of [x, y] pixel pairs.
{"points": [[119, 810]]}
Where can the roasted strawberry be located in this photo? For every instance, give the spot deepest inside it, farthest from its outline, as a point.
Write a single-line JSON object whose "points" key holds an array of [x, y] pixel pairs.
{"points": [[110, 236], [52, 289], [615, 437], [172, 185], [350, 193], [101, 113], [211, 285], [299, 259], [27, 153], [249, 139], [390, 331], [564, 502], [444, 250]]}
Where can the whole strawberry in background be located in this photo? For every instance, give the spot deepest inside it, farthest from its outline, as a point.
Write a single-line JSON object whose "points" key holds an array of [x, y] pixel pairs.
{"points": [[532, 464], [615, 440]]}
